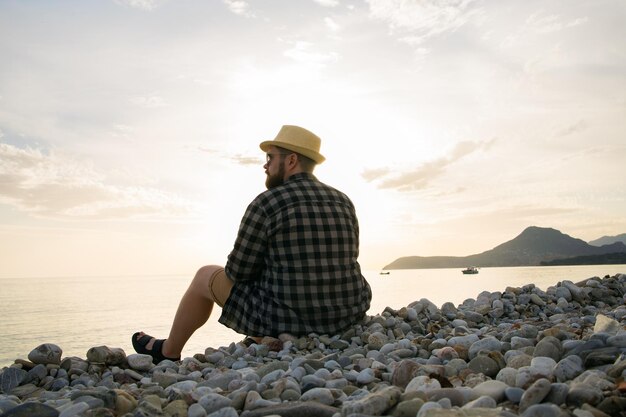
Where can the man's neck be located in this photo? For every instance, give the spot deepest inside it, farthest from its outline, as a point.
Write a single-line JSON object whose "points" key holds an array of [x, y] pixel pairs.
{"points": [[294, 171]]}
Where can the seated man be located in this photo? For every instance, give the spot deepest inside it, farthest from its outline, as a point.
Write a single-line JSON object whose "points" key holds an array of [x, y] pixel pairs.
{"points": [[293, 268]]}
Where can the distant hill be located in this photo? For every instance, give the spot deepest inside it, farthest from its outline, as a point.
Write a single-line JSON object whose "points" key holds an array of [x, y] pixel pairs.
{"points": [[605, 259], [530, 248], [607, 240]]}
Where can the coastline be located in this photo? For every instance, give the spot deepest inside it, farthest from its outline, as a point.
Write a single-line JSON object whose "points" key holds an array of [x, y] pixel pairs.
{"points": [[523, 351]]}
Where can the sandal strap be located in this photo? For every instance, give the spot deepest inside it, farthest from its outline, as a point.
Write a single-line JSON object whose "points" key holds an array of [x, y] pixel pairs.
{"points": [[157, 348]]}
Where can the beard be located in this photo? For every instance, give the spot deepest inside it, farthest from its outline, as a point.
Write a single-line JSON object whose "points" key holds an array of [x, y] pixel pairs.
{"points": [[277, 179]]}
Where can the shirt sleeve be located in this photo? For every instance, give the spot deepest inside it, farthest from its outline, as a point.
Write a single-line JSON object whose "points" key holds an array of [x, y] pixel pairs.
{"points": [[246, 260]]}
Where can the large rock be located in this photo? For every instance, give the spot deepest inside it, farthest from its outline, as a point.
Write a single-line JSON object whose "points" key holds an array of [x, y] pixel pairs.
{"points": [[106, 355], [11, 378], [47, 353]]}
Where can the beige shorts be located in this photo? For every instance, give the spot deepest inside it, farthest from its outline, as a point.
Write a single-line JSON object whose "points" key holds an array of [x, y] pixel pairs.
{"points": [[220, 286]]}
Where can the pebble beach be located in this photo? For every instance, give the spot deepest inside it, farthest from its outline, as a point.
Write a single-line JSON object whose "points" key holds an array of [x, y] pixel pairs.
{"points": [[517, 352]]}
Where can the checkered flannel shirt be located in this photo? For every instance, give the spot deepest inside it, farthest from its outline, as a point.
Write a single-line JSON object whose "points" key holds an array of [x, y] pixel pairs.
{"points": [[294, 263]]}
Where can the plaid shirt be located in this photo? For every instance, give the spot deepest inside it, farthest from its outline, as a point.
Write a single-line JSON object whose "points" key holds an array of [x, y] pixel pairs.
{"points": [[294, 263]]}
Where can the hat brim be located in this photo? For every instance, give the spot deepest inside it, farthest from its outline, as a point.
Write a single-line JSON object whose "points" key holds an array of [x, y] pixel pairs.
{"points": [[315, 156]]}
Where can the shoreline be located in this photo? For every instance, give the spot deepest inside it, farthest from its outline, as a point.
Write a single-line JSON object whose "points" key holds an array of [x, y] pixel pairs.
{"points": [[522, 351]]}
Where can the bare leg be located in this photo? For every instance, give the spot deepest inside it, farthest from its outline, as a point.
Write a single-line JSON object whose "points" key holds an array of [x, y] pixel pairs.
{"points": [[193, 311]]}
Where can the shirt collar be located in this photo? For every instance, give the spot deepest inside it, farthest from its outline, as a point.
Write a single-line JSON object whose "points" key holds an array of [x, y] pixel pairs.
{"points": [[301, 176]]}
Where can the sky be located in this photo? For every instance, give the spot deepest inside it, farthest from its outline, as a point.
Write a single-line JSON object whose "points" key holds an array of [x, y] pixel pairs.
{"points": [[129, 129]]}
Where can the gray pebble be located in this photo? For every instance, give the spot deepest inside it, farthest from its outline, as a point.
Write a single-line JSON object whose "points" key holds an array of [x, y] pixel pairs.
{"points": [[213, 402], [31, 409], [535, 394], [542, 410], [196, 410], [514, 394], [37, 374], [366, 376], [568, 368], [375, 403], [507, 376], [485, 365], [558, 393], [618, 340], [320, 395], [488, 344], [484, 401], [422, 383], [430, 405], [549, 346], [493, 389], [457, 396], [580, 394], [140, 362], [74, 409], [225, 412], [7, 404]]}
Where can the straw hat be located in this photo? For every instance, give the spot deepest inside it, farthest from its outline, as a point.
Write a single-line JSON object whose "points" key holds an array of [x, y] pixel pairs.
{"points": [[298, 140]]}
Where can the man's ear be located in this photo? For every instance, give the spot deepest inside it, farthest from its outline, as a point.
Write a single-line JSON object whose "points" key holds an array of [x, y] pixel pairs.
{"points": [[293, 159]]}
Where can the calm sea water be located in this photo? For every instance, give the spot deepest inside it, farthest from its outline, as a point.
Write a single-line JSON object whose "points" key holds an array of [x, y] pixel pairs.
{"points": [[81, 312]]}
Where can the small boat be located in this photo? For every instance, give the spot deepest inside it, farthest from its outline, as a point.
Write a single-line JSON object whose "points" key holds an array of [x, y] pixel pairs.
{"points": [[385, 272], [470, 270]]}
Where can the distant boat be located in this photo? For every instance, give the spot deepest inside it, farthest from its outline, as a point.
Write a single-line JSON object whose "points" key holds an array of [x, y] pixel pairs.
{"points": [[385, 272], [470, 270]]}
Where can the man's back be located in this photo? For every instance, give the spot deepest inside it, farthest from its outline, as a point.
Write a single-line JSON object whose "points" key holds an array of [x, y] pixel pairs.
{"points": [[295, 262]]}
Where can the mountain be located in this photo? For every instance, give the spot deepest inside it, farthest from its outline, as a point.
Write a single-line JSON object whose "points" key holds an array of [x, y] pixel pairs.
{"points": [[607, 240], [604, 259], [530, 248]]}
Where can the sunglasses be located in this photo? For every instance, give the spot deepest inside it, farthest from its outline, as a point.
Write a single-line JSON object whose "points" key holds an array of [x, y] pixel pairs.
{"points": [[270, 156]]}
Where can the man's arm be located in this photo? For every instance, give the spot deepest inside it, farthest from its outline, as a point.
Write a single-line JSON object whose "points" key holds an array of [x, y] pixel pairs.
{"points": [[246, 260]]}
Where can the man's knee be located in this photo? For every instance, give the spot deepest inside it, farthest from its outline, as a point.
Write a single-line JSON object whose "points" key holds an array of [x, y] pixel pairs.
{"points": [[203, 277], [206, 272], [217, 283]]}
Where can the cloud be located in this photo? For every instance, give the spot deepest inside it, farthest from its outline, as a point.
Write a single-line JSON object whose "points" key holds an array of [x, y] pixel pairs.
{"points": [[239, 7], [148, 102], [542, 23], [416, 179], [331, 24], [303, 52], [421, 19], [327, 3], [54, 186], [207, 150], [372, 174], [421, 176], [577, 127], [140, 4], [246, 160], [238, 159], [539, 24]]}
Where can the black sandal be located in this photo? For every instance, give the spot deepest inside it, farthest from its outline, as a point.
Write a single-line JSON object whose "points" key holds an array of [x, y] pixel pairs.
{"points": [[157, 348], [248, 341]]}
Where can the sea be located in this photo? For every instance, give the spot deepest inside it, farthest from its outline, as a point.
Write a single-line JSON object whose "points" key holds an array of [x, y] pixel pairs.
{"points": [[77, 313]]}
